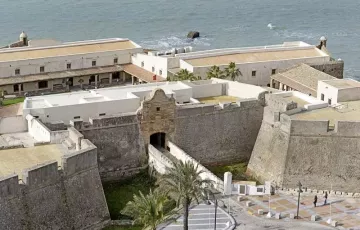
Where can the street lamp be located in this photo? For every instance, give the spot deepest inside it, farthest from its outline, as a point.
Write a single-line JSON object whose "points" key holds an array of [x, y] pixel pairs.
{"points": [[298, 205], [215, 204]]}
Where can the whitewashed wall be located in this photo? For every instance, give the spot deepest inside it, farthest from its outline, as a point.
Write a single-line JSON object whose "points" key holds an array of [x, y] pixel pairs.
{"points": [[55, 64], [38, 130], [263, 69], [86, 110], [329, 92], [158, 62], [181, 155]]}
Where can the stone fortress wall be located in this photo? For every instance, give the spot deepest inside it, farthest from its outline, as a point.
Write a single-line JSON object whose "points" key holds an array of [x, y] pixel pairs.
{"points": [[211, 134], [319, 155], [334, 68], [52, 195]]}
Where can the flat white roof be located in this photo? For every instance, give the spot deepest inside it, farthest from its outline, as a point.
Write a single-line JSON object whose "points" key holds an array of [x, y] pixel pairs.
{"points": [[343, 83], [64, 49], [285, 51], [100, 95]]}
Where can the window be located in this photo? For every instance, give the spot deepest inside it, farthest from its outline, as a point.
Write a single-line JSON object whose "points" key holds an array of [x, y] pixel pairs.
{"points": [[93, 63], [142, 64], [253, 73], [68, 66], [329, 101], [17, 71], [115, 60], [102, 114], [273, 71], [42, 69], [322, 96], [160, 72], [77, 117], [42, 84], [16, 88], [259, 189], [153, 69], [157, 108]]}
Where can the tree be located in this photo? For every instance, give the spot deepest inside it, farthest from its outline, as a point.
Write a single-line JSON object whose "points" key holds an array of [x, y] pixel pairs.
{"points": [[148, 211], [232, 72], [183, 182], [184, 74], [215, 72]]}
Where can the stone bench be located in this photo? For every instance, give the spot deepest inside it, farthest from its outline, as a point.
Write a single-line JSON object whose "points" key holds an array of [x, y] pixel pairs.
{"points": [[334, 223], [278, 216], [314, 217], [248, 203], [260, 212], [292, 216]]}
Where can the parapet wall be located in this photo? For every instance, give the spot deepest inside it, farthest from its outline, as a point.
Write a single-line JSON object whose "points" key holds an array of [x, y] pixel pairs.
{"points": [[333, 68], [68, 195]]}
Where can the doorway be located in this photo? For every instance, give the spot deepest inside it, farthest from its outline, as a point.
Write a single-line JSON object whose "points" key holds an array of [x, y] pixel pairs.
{"points": [[158, 140]]}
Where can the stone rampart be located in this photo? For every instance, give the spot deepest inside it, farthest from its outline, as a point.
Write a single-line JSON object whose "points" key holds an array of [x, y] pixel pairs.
{"points": [[218, 134], [121, 149], [309, 151], [51, 196]]}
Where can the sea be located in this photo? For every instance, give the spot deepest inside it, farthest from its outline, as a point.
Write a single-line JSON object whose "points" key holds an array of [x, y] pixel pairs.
{"points": [[163, 24]]}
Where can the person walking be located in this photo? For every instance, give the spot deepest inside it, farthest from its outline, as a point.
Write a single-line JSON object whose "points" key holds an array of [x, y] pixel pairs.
{"points": [[315, 201], [326, 196]]}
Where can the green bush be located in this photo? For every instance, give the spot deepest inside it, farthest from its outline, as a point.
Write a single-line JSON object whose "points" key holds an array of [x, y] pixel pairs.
{"points": [[122, 228], [238, 171], [12, 101]]}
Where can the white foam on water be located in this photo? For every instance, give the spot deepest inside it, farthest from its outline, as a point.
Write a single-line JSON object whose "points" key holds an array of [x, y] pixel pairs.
{"points": [[175, 41]]}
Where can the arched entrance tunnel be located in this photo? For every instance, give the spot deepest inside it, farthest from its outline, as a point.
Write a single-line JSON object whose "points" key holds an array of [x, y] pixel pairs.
{"points": [[158, 140]]}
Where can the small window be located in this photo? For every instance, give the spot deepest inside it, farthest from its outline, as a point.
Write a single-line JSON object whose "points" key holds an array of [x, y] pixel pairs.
{"points": [[329, 101], [115, 60], [68, 66], [93, 63], [157, 108], [17, 71], [259, 189], [102, 114], [77, 117], [273, 71], [322, 96], [142, 64], [42, 84], [253, 73], [160, 72], [153, 69], [42, 69], [16, 88]]}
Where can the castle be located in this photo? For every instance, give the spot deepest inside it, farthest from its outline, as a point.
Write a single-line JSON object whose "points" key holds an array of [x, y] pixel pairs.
{"points": [[58, 151]]}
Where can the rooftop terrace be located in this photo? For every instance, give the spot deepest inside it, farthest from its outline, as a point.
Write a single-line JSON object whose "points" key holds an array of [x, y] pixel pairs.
{"points": [[18, 159]]}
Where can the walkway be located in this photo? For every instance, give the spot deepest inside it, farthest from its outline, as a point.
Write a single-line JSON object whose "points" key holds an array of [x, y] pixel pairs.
{"points": [[201, 217], [344, 210]]}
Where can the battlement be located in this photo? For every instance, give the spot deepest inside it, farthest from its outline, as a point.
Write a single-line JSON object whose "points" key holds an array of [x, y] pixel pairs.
{"points": [[198, 109], [45, 173]]}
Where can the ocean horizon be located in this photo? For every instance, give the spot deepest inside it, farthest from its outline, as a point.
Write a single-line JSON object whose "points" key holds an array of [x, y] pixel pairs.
{"points": [[163, 24]]}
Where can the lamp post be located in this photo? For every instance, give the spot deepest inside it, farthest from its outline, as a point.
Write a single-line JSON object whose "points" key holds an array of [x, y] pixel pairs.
{"points": [[215, 204], [298, 205]]}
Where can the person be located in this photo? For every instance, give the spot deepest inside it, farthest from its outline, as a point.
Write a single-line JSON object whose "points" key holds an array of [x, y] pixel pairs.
{"points": [[326, 196], [315, 200]]}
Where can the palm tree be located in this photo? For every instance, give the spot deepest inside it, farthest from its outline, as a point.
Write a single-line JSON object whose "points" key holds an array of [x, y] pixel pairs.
{"points": [[148, 211], [215, 72], [183, 183], [232, 72], [184, 74]]}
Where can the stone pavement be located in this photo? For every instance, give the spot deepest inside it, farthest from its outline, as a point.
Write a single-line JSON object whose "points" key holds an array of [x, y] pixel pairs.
{"points": [[346, 211]]}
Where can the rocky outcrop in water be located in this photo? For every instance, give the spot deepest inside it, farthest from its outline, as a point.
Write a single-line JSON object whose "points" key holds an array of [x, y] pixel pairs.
{"points": [[193, 34]]}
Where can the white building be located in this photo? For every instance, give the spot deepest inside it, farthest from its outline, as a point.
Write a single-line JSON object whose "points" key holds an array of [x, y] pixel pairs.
{"points": [[256, 64], [338, 90], [45, 65], [116, 100]]}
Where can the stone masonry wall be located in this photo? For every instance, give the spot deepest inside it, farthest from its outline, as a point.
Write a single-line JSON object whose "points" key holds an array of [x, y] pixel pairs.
{"points": [[333, 68], [121, 148], [71, 198], [216, 135]]}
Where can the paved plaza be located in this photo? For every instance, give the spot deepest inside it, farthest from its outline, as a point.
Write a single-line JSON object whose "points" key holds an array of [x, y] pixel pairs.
{"points": [[346, 211], [201, 217]]}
